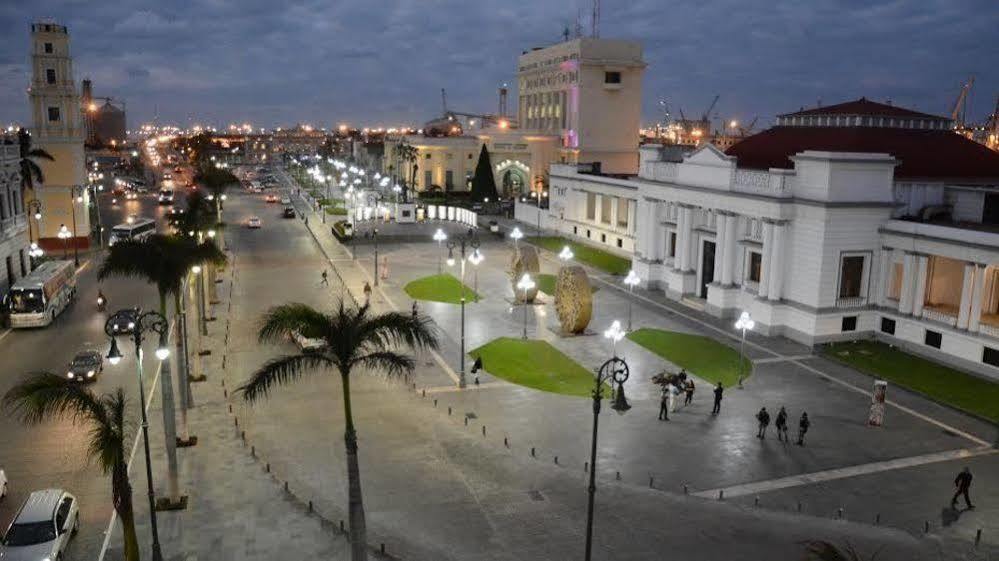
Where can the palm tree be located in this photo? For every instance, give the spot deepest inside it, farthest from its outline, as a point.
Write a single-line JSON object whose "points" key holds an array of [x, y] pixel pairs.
{"points": [[821, 550], [352, 339], [164, 261], [31, 172], [45, 396], [407, 153]]}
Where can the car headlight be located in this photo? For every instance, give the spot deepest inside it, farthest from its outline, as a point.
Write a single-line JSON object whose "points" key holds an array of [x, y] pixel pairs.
{"points": [[90, 374], [70, 375]]}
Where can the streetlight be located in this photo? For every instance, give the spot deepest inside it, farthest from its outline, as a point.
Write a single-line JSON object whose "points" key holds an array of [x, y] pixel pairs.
{"points": [[631, 281], [476, 258], [525, 283], [75, 196], [460, 242], [200, 295], [64, 235], [515, 235], [744, 323], [566, 254], [139, 324], [35, 208], [614, 370], [439, 237], [374, 234]]}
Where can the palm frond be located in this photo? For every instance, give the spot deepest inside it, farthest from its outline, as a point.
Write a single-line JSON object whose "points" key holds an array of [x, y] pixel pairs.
{"points": [[280, 321], [393, 329], [107, 439], [130, 258], [45, 395], [280, 371], [40, 153], [392, 363]]}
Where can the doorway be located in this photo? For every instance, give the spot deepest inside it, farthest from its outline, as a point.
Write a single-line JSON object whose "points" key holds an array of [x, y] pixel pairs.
{"points": [[707, 268]]}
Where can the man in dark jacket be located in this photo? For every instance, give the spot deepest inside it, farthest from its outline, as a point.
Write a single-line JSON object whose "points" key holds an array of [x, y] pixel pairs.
{"points": [[764, 421], [963, 484], [803, 425], [718, 397]]}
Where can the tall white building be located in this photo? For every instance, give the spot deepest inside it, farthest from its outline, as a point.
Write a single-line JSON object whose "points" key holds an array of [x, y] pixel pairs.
{"points": [[839, 223], [14, 242], [59, 129]]}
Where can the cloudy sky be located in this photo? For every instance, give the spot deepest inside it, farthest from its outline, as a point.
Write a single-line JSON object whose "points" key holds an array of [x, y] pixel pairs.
{"points": [[383, 62]]}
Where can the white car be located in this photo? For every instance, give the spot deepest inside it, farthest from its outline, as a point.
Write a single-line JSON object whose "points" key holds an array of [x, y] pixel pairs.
{"points": [[42, 528], [3, 484], [253, 222], [285, 200]]}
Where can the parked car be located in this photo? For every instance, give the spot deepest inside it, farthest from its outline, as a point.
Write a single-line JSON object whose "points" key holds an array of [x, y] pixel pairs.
{"points": [[42, 527], [86, 366], [253, 222], [289, 212]]}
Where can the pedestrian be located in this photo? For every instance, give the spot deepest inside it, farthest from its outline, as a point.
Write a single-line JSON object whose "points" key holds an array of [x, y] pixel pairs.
{"points": [[803, 425], [416, 311], [664, 403], [367, 293], [689, 389], [963, 484], [325, 280], [781, 424], [718, 397], [384, 272], [763, 418], [673, 392]]}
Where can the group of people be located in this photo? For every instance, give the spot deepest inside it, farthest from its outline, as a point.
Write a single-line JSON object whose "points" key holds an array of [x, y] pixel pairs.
{"points": [[672, 386], [780, 423]]}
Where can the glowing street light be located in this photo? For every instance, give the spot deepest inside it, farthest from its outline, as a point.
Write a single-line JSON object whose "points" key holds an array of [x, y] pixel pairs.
{"points": [[631, 281], [439, 237], [744, 323], [525, 283], [566, 254], [615, 334], [515, 235]]}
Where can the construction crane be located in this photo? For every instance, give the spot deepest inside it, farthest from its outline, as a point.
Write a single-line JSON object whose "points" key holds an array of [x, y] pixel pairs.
{"points": [[707, 114], [992, 128], [957, 113]]}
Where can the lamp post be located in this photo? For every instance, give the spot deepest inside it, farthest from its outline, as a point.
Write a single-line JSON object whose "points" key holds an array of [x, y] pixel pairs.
{"points": [[64, 235], [439, 237], [76, 196], [35, 210], [613, 370], [744, 323], [515, 235], [374, 234], [565, 255], [525, 283], [476, 258], [200, 295], [631, 281], [138, 324], [97, 208], [460, 243]]}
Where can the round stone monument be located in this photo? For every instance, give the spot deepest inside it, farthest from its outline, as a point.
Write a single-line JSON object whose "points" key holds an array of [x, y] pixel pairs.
{"points": [[525, 260], [573, 299]]}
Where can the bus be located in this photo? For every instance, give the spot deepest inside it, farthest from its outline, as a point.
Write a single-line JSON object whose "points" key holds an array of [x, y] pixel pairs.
{"points": [[36, 300], [134, 229]]}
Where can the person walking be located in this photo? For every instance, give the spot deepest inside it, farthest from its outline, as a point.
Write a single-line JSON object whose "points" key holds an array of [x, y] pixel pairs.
{"points": [[664, 403], [325, 280], [718, 397], [803, 425], [367, 293], [963, 484], [763, 418], [689, 390], [781, 425], [673, 393]]}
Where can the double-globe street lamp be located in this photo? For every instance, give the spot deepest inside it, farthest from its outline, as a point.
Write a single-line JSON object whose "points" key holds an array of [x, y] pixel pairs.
{"points": [[76, 196], [525, 283], [460, 243], [64, 235], [137, 324], [615, 370], [440, 237], [744, 323], [631, 281], [35, 210]]}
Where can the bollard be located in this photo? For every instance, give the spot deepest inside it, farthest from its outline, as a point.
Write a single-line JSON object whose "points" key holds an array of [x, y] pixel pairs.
{"points": [[978, 537], [286, 486], [651, 480], [506, 442], [230, 408], [877, 519], [341, 525], [618, 476], [483, 430], [556, 460], [383, 549], [686, 491], [926, 527], [310, 506], [424, 392], [268, 468], [435, 404], [223, 382], [225, 393], [839, 513], [448, 410], [532, 451], [799, 506], [721, 494], [235, 421], [253, 451], [242, 435], [756, 501], [466, 420]]}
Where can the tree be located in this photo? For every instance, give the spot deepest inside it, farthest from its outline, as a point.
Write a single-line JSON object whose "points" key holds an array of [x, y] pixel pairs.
{"points": [[198, 215], [46, 396], [352, 339], [164, 261], [483, 183], [31, 172], [407, 154]]}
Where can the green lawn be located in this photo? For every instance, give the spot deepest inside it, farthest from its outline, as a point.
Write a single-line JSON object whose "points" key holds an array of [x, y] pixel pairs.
{"points": [[953, 387], [534, 364], [546, 284], [440, 288], [583, 253], [704, 357]]}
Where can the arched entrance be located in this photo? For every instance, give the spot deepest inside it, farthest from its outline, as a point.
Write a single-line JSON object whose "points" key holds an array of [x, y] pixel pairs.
{"points": [[513, 177]]}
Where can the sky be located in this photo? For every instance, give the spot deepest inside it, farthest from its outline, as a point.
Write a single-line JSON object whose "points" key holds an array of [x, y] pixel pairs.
{"points": [[383, 62]]}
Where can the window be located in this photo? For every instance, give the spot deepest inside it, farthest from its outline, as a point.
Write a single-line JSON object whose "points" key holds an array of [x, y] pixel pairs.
{"points": [[50, 76], [620, 242], [851, 276], [933, 339], [605, 209], [849, 323], [603, 238], [990, 356], [612, 77], [48, 48], [888, 326], [54, 114], [428, 179], [62, 514], [755, 265], [427, 157], [591, 206], [587, 233], [623, 208], [449, 178], [469, 156], [672, 244], [575, 230]]}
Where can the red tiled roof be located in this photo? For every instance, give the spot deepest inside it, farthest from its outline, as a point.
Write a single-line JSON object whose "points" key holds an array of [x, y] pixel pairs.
{"points": [[862, 106], [927, 154]]}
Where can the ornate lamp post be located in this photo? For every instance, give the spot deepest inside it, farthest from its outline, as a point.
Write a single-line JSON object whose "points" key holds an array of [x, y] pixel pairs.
{"points": [[475, 259], [615, 370], [35, 208], [565, 255], [515, 235], [76, 196], [631, 281], [136, 324], [744, 323], [525, 283], [64, 235], [460, 243], [374, 234], [439, 237]]}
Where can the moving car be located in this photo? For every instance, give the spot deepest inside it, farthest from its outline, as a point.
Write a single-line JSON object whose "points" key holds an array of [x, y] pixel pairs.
{"points": [[128, 319], [3, 484], [285, 200], [167, 175], [166, 197], [86, 365], [271, 198], [42, 528], [253, 222], [131, 196], [289, 212]]}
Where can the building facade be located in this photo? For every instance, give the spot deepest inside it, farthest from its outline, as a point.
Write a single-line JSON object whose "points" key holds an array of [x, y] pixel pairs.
{"points": [[843, 222], [59, 129], [14, 234]]}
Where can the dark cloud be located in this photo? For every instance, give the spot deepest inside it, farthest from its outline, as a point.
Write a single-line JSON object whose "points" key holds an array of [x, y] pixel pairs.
{"points": [[385, 61]]}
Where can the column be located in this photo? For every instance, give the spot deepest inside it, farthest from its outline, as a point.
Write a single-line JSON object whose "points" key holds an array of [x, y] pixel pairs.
{"points": [[679, 262], [777, 263], [768, 245], [967, 286], [908, 283], [728, 264], [919, 296], [884, 270], [613, 221], [977, 293], [632, 216], [720, 248], [656, 233], [684, 237]]}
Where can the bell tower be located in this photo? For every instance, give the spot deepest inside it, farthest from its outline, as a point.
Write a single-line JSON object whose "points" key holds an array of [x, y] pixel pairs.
{"points": [[59, 129]]}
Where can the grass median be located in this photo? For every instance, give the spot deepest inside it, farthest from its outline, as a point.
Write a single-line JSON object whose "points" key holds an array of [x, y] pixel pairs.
{"points": [[440, 288], [603, 260], [534, 364], [701, 356]]}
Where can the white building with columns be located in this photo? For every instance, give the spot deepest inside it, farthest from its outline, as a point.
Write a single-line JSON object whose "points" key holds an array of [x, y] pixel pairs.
{"points": [[841, 222]]}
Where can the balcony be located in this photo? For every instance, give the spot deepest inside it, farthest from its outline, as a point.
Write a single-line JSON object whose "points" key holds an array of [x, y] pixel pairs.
{"points": [[854, 302], [942, 315]]}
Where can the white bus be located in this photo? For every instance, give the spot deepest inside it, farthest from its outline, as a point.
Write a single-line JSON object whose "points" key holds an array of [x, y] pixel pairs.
{"points": [[36, 300], [134, 229]]}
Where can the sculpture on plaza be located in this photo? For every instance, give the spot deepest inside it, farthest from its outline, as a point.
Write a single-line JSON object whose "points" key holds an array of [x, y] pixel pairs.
{"points": [[573, 299], [525, 260]]}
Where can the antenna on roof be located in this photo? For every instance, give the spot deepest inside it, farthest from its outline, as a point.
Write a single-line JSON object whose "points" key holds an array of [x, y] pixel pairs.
{"points": [[596, 19], [579, 22], [565, 33]]}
